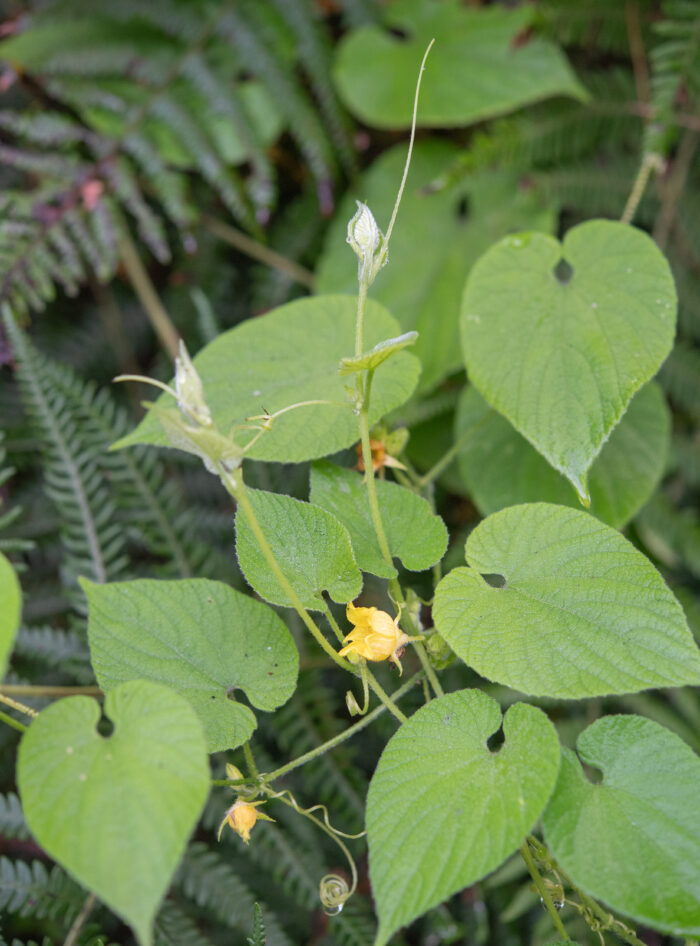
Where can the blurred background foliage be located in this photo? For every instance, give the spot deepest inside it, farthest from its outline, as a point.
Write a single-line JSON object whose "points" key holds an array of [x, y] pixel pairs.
{"points": [[213, 149]]}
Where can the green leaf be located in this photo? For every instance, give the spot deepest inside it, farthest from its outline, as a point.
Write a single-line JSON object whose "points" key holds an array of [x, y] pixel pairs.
{"points": [[378, 355], [500, 468], [200, 637], [285, 357], [414, 533], [632, 840], [581, 613], [484, 64], [561, 360], [312, 547], [10, 609], [443, 810], [116, 811], [436, 240]]}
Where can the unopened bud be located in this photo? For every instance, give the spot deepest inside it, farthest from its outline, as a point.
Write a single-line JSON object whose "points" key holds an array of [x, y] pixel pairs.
{"points": [[189, 390], [367, 240]]}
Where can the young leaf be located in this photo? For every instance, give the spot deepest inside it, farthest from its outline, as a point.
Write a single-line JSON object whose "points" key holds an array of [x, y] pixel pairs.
{"points": [[478, 68], [414, 533], [288, 356], [10, 609], [632, 840], [443, 231], [562, 359], [312, 547], [581, 613], [116, 811], [378, 355], [200, 637], [443, 810], [500, 468]]}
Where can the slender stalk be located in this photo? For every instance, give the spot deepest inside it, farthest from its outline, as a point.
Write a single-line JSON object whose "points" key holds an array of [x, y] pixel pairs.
{"points": [[20, 707], [360, 327], [12, 689], [652, 162], [79, 922], [410, 145], [428, 668], [238, 490], [333, 623], [250, 761], [543, 892], [258, 251], [144, 289], [240, 494], [448, 457], [14, 723], [341, 737]]}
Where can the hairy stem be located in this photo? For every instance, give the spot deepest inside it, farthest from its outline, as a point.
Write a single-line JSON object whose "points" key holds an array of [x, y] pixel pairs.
{"points": [[20, 707], [542, 890], [652, 162], [21, 689], [79, 922]]}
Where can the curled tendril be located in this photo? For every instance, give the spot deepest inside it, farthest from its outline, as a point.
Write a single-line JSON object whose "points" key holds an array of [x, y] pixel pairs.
{"points": [[334, 891]]}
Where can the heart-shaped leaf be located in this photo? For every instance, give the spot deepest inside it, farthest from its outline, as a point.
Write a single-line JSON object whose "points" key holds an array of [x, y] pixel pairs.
{"points": [[484, 63], [116, 811], [200, 637], [500, 468], [439, 234], [290, 356], [414, 533], [10, 609], [560, 356], [581, 613], [443, 810], [312, 547], [633, 840]]}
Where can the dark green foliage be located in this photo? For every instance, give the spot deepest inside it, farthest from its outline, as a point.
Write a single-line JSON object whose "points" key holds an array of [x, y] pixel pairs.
{"points": [[258, 937], [30, 890]]}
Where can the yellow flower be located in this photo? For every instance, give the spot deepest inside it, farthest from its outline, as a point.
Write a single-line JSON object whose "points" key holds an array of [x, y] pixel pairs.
{"points": [[375, 635], [241, 816]]}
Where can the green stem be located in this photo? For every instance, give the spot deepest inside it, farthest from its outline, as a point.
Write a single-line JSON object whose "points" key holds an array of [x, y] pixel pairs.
{"points": [[543, 892], [250, 761], [652, 162], [238, 490], [16, 705], [333, 623], [341, 737], [15, 723], [428, 668], [385, 698], [21, 689], [360, 321], [369, 474], [449, 456]]}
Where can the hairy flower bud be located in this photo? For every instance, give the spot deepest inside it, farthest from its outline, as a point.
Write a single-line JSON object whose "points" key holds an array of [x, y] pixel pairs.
{"points": [[189, 390], [367, 240]]}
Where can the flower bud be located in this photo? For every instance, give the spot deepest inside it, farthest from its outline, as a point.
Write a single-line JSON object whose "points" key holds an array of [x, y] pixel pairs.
{"points": [[367, 240], [241, 816], [189, 390]]}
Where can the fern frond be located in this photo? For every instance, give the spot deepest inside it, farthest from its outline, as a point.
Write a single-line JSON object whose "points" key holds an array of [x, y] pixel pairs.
{"points": [[12, 823], [9, 517], [675, 70], [53, 648], [207, 878], [33, 890], [93, 541], [258, 938], [249, 33], [174, 927], [358, 13], [672, 534]]}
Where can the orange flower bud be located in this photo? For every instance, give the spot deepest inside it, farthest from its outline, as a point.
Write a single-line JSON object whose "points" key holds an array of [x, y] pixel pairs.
{"points": [[241, 816]]}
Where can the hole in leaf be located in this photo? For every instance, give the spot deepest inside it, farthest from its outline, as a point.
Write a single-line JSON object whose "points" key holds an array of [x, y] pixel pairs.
{"points": [[594, 776], [105, 727], [496, 741], [495, 581], [398, 33], [563, 271], [462, 208]]}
